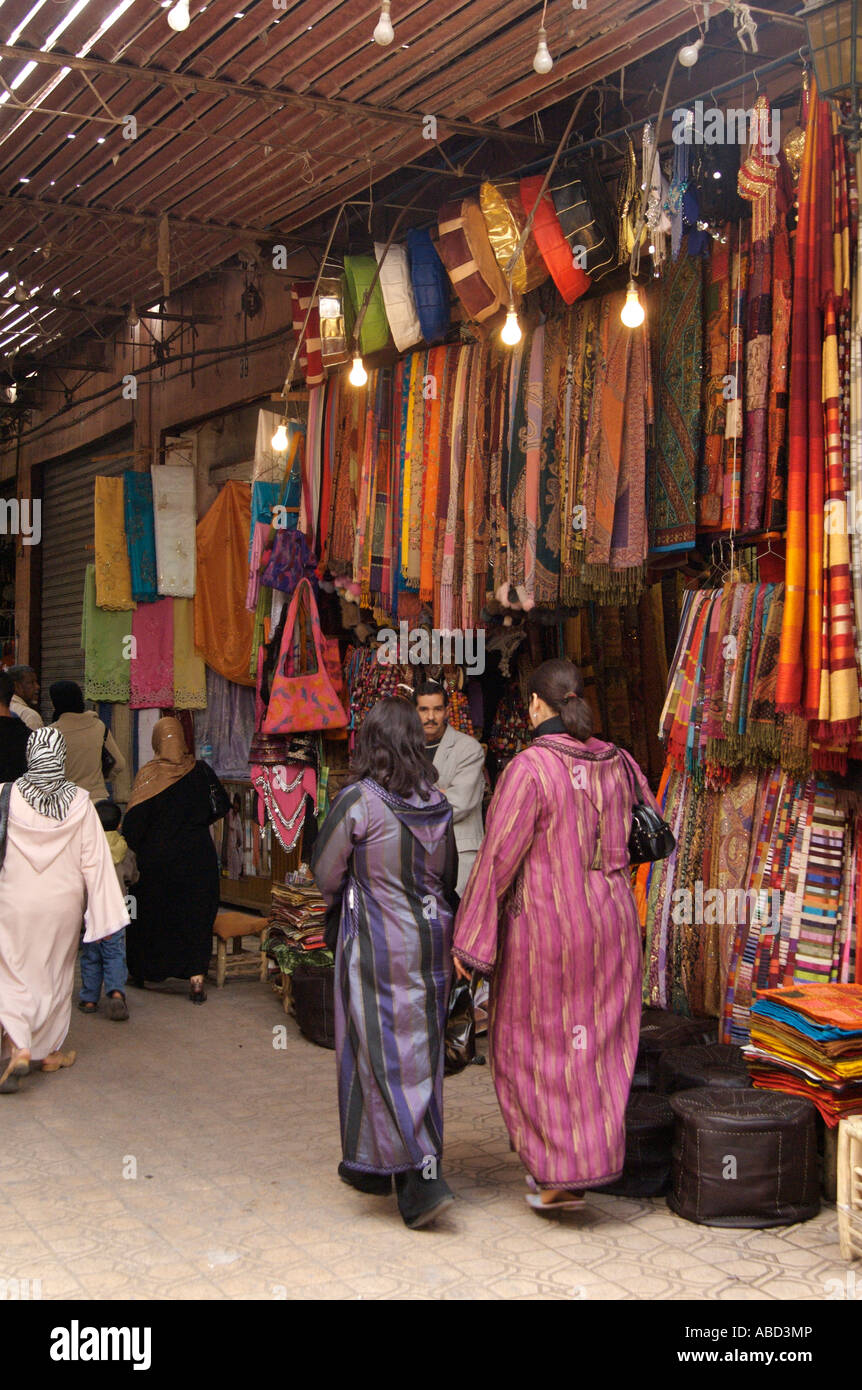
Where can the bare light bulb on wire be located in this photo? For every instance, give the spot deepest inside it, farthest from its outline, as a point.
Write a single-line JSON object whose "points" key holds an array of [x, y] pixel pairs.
{"points": [[689, 54], [632, 313], [384, 32], [543, 62], [510, 333], [279, 439], [179, 16], [358, 375]]}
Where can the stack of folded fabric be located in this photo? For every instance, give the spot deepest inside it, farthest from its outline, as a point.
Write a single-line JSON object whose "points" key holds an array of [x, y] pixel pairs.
{"points": [[806, 1039], [296, 924]]}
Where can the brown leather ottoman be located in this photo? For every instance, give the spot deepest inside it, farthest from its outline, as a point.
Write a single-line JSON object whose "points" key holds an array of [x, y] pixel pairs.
{"points": [[744, 1158], [649, 1140], [715, 1064], [661, 1031]]}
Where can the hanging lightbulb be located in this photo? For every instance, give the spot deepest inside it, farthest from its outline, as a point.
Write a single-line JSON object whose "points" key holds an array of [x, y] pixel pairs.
{"points": [[179, 16], [384, 32], [358, 375], [543, 62], [689, 54], [632, 313], [133, 319], [510, 333], [279, 439], [12, 393]]}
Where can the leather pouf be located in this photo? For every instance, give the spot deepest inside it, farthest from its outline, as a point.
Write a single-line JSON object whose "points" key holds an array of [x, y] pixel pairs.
{"points": [[744, 1158], [430, 285], [314, 1003], [716, 1064], [661, 1031], [649, 1140]]}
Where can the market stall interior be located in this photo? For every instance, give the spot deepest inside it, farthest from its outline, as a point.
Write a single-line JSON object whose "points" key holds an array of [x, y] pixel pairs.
{"points": [[338, 361]]}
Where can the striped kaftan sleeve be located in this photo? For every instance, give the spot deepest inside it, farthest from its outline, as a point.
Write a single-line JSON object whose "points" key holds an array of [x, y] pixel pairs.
{"points": [[509, 834], [345, 825]]}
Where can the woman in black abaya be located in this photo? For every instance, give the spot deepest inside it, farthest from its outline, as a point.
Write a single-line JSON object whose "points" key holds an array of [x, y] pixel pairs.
{"points": [[174, 802]]}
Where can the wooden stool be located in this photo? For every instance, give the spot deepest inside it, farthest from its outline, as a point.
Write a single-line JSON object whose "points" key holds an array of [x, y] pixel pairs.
{"points": [[850, 1187], [231, 926]]}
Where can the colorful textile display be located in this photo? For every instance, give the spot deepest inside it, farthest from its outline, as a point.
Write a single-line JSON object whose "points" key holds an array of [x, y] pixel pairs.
{"points": [[190, 690], [223, 627], [175, 513], [113, 576], [152, 664], [140, 535], [105, 639], [806, 1040], [678, 424]]}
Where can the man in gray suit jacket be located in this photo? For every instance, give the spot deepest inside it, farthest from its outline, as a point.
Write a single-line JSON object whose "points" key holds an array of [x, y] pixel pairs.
{"points": [[460, 764]]}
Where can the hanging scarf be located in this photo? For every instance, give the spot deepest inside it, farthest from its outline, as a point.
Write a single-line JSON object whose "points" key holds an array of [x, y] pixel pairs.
{"points": [[44, 785], [731, 517], [717, 320], [437, 370], [152, 664], [105, 640], [113, 576], [799, 661], [140, 535], [547, 585], [190, 686], [678, 426], [174, 511]]}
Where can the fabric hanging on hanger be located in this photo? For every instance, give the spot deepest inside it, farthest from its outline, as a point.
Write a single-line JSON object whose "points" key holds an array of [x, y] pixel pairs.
{"points": [[223, 627], [152, 665], [717, 354], [799, 664], [227, 724], [140, 535], [105, 642], [174, 514], [731, 516], [113, 575], [190, 691], [678, 425]]}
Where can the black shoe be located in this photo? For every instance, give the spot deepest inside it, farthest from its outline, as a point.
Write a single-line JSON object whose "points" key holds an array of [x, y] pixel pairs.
{"points": [[421, 1200], [374, 1184], [197, 994]]}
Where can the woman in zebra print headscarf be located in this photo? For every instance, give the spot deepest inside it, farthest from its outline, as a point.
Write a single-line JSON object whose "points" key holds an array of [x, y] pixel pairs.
{"points": [[54, 859]]}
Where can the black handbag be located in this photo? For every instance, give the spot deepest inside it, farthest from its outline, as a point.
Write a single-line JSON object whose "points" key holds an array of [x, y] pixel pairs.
{"points": [[220, 802], [108, 759], [460, 1036], [651, 838]]}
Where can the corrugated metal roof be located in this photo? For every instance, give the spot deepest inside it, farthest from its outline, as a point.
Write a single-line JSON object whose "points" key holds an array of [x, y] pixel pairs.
{"points": [[260, 117]]}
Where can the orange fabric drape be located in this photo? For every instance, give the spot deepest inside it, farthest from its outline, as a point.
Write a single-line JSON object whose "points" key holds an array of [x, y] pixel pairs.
{"points": [[223, 625]]}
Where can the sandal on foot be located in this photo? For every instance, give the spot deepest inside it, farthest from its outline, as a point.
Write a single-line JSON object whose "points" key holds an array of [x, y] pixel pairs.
{"points": [[568, 1202], [16, 1067], [118, 1009], [64, 1059], [197, 994], [87, 1006]]}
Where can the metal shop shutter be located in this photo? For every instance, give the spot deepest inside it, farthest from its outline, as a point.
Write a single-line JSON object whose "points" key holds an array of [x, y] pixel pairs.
{"points": [[67, 548]]}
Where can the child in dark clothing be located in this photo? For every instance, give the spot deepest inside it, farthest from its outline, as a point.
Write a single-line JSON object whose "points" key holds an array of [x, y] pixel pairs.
{"points": [[105, 961]]}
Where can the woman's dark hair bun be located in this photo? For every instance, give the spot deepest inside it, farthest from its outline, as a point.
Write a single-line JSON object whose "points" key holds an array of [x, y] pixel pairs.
{"points": [[559, 684]]}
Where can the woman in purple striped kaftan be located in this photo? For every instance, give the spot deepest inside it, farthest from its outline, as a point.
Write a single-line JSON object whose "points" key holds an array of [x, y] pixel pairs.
{"points": [[387, 852], [550, 915]]}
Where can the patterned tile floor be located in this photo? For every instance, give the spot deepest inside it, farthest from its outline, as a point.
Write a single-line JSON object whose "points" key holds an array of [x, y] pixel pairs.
{"points": [[166, 1165]]}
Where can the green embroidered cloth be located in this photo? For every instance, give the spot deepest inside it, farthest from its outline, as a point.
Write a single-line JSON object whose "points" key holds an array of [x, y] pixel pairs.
{"points": [[106, 640]]}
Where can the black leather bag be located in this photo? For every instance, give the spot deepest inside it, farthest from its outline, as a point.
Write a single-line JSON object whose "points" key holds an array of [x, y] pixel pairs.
{"points": [[651, 838], [460, 1044], [108, 759]]}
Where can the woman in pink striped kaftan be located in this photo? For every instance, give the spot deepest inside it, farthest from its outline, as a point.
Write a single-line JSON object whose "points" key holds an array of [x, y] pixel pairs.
{"points": [[549, 914]]}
